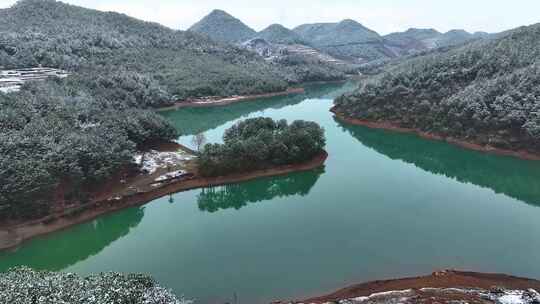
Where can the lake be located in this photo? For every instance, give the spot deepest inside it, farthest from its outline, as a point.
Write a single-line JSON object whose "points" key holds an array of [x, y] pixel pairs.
{"points": [[385, 205]]}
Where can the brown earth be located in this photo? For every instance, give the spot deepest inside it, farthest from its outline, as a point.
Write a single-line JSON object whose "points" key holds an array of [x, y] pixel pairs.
{"points": [[220, 101], [527, 155], [116, 195], [441, 279]]}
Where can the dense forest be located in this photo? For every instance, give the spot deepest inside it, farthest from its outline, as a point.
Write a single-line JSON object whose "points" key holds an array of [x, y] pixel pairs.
{"points": [[58, 137], [23, 285], [485, 92], [258, 143]]}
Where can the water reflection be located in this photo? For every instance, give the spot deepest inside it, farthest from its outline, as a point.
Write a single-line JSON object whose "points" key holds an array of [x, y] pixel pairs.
{"points": [[239, 195], [191, 121], [513, 177], [63, 249]]}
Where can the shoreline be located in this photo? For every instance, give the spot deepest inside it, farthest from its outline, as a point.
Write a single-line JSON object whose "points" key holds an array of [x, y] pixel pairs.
{"points": [[521, 154], [218, 102], [440, 280], [13, 236]]}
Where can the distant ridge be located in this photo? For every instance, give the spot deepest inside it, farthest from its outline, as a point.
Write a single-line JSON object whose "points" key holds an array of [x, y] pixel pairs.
{"points": [[347, 40]]}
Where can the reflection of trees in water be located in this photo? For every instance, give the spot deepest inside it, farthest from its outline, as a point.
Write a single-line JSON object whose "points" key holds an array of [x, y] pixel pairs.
{"points": [[513, 177], [63, 249], [239, 195], [191, 121]]}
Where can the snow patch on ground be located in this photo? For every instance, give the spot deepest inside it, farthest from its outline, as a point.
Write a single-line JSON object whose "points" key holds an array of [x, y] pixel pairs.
{"points": [[170, 175], [515, 297], [9, 89], [88, 125], [511, 299], [12, 80], [410, 296], [151, 161]]}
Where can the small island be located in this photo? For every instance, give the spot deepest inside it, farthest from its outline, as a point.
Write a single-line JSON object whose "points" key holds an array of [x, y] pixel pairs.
{"points": [[254, 148]]}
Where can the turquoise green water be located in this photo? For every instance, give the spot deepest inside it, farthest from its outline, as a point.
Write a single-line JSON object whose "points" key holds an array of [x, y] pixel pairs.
{"points": [[385, 205]]}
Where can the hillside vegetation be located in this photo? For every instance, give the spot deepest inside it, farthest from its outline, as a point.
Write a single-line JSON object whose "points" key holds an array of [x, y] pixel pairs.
{"points": [[96, 44], [487, 92], [58, 141]]}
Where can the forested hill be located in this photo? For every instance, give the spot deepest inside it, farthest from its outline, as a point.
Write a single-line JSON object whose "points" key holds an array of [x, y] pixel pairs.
{"points": [[221, 26], [331, 34], [347, 39], [277, 33], [486, 92], [105, 45]]}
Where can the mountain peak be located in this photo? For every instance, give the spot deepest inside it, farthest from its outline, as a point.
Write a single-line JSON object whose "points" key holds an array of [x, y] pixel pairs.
{"points": [[218, 13], [277, 33], [424, 31], [275, 26], [223, 27], [350, 21], [458, 32]]}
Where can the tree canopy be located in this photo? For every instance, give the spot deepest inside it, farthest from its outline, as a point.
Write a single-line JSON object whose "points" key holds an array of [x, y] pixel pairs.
{"points": [[486, 92], [54, 135], [259, 143]]}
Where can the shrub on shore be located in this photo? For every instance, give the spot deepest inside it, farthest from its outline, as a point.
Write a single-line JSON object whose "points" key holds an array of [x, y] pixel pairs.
{"points": [[23, 285], [260, 143]]}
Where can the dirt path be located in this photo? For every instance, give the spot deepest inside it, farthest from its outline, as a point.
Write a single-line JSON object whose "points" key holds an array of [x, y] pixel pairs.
{"points": [[460, 143]]}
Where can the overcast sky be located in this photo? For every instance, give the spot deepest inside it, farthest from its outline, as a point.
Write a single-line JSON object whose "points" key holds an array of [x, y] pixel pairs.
{"points": [[383, 16]]}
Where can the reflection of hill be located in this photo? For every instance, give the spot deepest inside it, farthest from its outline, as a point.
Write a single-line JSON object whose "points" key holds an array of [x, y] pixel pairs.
{"points": [[190, 121], [516, 178], [66, 248], [239, 195]]}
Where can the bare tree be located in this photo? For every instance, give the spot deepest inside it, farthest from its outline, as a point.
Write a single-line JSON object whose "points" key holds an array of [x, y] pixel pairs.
{"points": [[198, 141]]}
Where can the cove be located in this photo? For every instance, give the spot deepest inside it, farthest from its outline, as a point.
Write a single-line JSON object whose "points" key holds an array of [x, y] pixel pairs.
{"points": [[385, 205]]}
